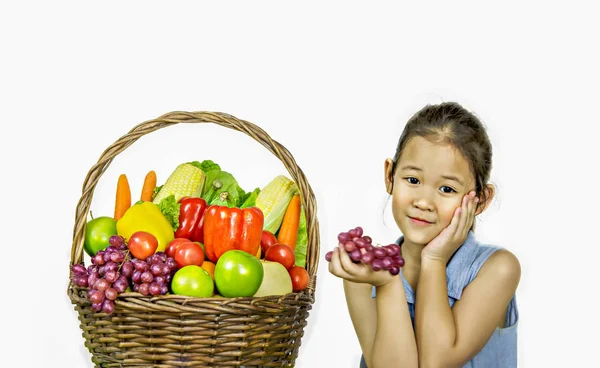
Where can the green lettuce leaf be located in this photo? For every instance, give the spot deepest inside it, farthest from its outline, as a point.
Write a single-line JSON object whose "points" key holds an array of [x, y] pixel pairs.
{"points": [[206, 165], [241, 195], [249, 199], [301, 241], [224, 199], [170, 209], [217, 182]]}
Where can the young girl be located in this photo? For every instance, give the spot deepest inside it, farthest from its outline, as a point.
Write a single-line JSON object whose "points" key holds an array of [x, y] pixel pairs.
{"points": [[460, 294]]}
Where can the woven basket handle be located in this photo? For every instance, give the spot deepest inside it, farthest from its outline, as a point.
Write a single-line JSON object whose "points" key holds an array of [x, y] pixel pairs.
{"points": [[228, 121]]}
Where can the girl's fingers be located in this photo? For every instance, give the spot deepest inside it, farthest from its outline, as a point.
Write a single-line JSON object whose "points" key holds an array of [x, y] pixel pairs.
{"points": [[469, 217], [472, 210], [347, 264], [465, 213], [458, 214], [335, 266]]}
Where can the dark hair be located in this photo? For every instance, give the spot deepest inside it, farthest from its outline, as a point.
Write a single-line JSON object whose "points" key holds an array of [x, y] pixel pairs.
{"points": [[451, 123]]}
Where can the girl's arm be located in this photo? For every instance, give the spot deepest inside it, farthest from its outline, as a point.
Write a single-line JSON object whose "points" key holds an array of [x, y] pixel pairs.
{"points": [[451, 337], [394, 344], [383, 324], [363, 314]]}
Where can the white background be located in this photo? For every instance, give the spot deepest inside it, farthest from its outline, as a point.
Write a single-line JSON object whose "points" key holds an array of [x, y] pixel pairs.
{"points": [[332, 82]]}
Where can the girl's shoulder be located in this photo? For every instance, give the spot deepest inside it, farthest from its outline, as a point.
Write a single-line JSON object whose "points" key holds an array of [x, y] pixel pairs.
{"points": [[495, 259], [502, 264], [475, 259]]}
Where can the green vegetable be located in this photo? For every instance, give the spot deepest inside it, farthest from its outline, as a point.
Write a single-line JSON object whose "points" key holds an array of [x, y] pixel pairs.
{"points": [[185, 181], [241, 194], [224, 199], [217, 182], [170, 209], [156, 190], [273, 201], [301, 241], [249, 199], [206, 165], [208, 190]]}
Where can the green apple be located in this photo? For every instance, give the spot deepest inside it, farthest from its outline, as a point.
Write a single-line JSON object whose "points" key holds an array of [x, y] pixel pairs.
{"points": [[97, 233], [194, 281], [238, 274]]}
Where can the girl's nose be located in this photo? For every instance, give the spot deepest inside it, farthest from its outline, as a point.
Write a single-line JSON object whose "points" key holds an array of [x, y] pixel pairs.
{"points": [[423, 202]]}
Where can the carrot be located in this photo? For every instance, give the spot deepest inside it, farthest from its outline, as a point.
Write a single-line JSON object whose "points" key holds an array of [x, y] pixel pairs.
{"points": [[288, 232], [148, 187], [123, 198]]}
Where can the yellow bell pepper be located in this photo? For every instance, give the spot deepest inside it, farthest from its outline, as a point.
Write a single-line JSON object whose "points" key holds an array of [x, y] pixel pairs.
{"points": [[147, 217]]}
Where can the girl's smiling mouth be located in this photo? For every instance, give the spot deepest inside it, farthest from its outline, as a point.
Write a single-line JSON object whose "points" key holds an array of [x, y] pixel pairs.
{"points": [[418, 221]]}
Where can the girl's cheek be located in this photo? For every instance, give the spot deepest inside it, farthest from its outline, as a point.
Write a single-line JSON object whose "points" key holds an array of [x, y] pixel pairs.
{"points": [[400, 205], [447, 212], [445, 220], [400, 200]]}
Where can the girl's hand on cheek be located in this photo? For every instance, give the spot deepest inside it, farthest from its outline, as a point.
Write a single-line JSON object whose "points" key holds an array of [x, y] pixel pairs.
{"points": [[443, 246], [342, 266]]}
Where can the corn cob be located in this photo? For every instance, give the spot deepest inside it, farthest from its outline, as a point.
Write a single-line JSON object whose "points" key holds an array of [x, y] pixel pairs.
{"points": [[273, 200], [186, 180]]}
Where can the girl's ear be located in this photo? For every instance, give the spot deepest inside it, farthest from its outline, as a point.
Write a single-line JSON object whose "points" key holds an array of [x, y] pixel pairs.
{"points": [[488, 197], [389, 175]]}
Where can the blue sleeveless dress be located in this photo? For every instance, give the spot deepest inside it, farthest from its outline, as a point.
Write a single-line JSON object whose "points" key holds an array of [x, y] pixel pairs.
{"points": [[501, 349]]}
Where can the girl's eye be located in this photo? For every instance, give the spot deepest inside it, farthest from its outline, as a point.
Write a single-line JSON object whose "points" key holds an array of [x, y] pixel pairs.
{"points": [[446, 189], [413, 180]]}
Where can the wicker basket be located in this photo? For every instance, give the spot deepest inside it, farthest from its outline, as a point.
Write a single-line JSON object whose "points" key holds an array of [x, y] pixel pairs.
{"points": [[176, 331]]}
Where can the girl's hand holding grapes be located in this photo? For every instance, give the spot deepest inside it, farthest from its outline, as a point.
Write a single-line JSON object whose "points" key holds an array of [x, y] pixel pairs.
{"points": [[342, 266]]}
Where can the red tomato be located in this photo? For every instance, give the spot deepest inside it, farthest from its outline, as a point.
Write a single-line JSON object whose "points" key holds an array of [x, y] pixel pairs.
{"points": [[142, 244], [174, 244], [266, 241], [299, 278], [189, 254], [281, 253]]}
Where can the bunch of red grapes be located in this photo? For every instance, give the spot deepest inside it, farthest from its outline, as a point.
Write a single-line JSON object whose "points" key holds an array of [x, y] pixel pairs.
{"points": [[361, 250], [113, 270]]}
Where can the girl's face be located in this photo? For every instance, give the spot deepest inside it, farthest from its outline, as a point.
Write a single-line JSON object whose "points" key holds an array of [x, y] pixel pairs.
{"points": [[429, 184]]}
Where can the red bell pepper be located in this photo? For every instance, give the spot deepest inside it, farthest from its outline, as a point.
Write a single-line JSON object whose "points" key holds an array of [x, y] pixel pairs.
{"points": [[229, 228], [191, 219]]}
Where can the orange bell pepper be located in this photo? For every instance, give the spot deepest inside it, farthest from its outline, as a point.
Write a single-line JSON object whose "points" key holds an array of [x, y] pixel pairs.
{"points": [[227, 228]]}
